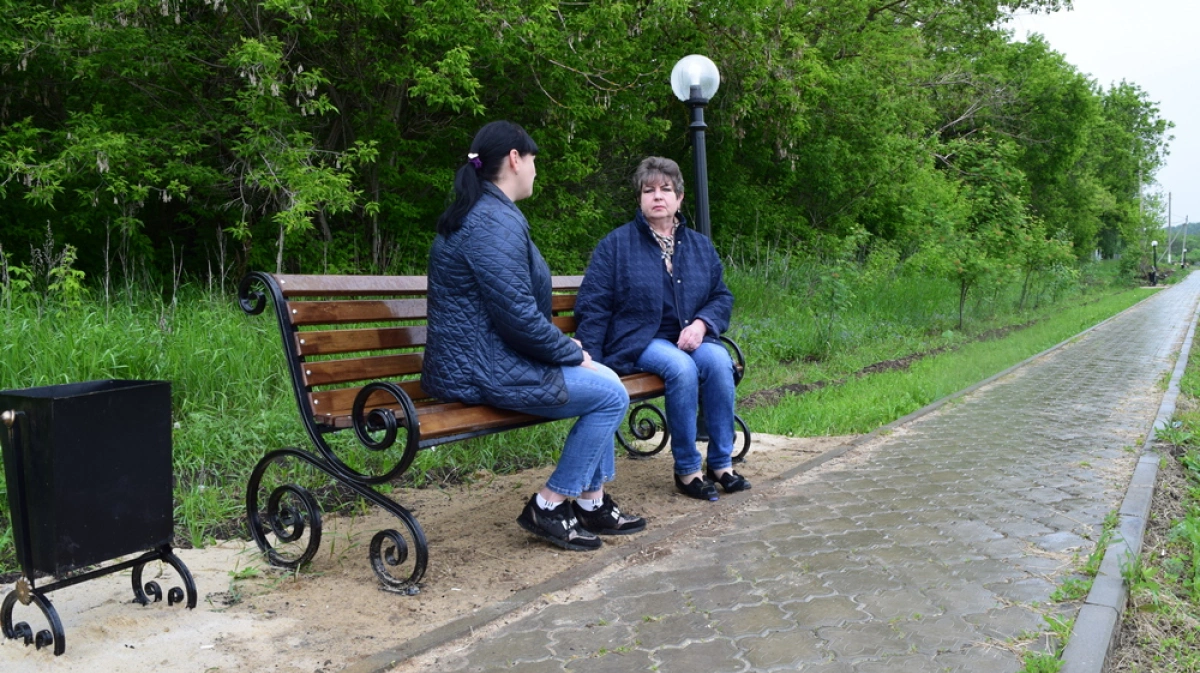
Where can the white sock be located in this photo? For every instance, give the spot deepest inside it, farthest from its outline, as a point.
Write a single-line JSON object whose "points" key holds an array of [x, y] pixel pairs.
{"points": [[546, 504], [589, 505]]}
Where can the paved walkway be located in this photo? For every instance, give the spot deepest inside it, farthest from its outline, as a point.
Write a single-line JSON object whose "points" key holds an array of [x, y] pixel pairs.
{"points": [[933, 548]]}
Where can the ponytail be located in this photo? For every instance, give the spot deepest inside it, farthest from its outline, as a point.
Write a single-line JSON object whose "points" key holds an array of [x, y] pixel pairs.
{"points": [[489, 150]]}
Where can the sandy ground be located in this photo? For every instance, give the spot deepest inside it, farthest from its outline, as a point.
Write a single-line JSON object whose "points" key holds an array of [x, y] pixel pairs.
{"points": [[251, 617]]}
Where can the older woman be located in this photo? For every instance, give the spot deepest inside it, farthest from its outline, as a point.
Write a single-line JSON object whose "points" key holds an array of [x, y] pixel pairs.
{"points": [[491, 341], [654, 300]]}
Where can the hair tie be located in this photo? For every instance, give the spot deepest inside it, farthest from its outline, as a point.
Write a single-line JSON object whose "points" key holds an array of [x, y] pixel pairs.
{"points": [[474, 160]]}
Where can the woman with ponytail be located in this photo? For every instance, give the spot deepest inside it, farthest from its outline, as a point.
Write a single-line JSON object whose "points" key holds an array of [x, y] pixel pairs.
{"points": [[491, 340]]}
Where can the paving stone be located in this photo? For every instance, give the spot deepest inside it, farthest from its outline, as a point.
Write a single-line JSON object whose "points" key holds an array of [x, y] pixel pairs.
{"points": [[825, 611], [718, 656], [899, 664], [933, 634], [768, 566], [545, 666], [889, 605], [725, 596], [516, 648], [798, 546], [980, 658], [1007, 622], [1062, 542], [854, 581], [590, 639], [791, 650], [876, 520], [796, 587], [899, 555], [962, 598], [836, 525], [1030, 590], [858, 540], [636, 606], [752, 620], [613, 662], [983, 571], [699, 576], [864, 641], [673, 630], [784, 531]]}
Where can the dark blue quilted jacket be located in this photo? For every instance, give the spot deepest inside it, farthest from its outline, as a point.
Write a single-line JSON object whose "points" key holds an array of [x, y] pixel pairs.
{"points": [[490, 337], [620, 303]]}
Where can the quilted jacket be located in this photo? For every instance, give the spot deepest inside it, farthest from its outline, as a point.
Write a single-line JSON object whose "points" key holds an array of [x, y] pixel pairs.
{"points": [[620, 304], [490, 338]]}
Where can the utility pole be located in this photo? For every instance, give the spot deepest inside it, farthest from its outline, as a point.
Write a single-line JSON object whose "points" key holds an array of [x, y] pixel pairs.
{"points": [[1170, 238]]}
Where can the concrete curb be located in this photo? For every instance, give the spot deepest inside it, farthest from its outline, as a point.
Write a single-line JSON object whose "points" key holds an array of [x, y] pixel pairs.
{"points": [[1099, 620]]}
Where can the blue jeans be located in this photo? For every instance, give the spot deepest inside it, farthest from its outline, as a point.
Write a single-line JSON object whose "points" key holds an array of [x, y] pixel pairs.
{"points": [[704, 374], [598, 398]]}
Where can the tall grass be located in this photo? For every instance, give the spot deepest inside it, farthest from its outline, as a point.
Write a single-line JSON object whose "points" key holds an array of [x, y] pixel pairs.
{"points": [[232, 400]]}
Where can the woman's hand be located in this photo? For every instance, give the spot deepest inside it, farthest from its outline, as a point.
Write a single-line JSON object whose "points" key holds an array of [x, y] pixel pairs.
{"points": [[692, 336], [587, 361]]}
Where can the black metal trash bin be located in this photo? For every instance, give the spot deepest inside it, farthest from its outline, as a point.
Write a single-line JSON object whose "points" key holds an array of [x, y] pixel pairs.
{"points": [[88, 468]]}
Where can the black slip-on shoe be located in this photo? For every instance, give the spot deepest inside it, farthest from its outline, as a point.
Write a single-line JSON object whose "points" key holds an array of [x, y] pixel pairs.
{"points": [[731, 481], [698, 488]]}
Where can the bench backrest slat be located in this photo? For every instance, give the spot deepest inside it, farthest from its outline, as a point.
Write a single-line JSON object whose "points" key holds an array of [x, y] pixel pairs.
{"points": [[340, 400], [333, 342], [374, 368], [346, 311], [349, 286]]}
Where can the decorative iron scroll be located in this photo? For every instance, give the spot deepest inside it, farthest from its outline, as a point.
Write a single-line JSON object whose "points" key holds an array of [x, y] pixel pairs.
{"points": [[398, 558], [21, 630], [645, 421], [152, 592], [291, 512], [739, 456], [384, 419]]}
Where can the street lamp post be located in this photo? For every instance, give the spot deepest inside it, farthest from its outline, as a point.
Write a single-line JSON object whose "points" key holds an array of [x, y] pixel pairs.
{"points": [[1183, 258], [1154, 267], [695, 80]]}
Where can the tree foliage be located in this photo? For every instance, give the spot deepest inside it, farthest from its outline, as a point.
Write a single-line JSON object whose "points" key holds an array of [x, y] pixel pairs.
{"points": [[211, 136]]}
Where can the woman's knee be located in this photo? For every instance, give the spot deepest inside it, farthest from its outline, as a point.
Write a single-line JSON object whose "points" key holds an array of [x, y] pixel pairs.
{"points": [[614, 398], [711, 359], [679, 367]]}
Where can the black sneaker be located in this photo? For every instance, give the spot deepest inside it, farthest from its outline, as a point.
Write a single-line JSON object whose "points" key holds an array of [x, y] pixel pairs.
{"points": [[607, 519], [557, 526]]}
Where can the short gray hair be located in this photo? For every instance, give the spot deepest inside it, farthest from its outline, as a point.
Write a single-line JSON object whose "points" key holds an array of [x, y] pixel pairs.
{"points": [[655, 169]]}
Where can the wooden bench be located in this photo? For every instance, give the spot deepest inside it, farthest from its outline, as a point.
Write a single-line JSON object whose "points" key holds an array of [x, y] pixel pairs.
{"points": [[354, 347]]}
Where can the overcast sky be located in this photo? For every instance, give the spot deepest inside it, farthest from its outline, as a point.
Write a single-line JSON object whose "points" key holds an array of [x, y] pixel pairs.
{"points": [[1154, 44]]}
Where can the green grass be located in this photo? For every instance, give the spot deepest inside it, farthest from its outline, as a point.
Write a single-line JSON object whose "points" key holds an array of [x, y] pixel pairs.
{"points": [[863, 404], [232, 401]]}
